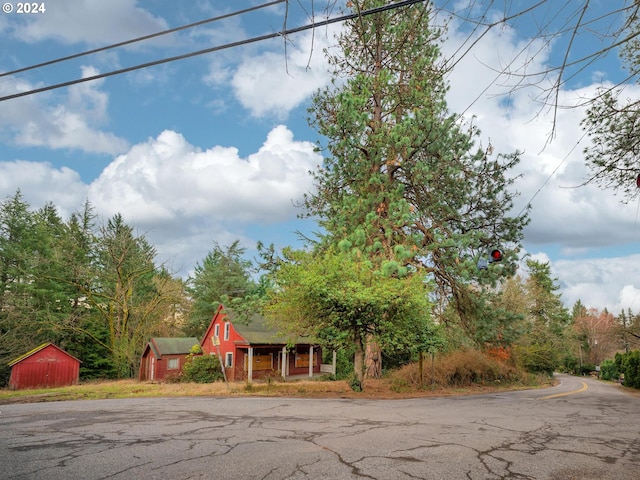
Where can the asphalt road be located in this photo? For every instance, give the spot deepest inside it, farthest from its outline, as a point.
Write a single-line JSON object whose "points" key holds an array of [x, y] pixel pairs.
{"points": [[581, 429]]}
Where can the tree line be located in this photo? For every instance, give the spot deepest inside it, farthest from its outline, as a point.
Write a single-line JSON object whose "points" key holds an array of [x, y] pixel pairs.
{"points": [[97, 291], [410, 200], [94, 290]]}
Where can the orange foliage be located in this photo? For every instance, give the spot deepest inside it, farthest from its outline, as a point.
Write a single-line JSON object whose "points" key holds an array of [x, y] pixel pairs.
{"points": [[502, 354]]}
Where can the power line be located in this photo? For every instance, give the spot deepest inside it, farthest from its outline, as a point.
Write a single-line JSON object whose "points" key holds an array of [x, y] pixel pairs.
{"points": [[239, 43], [140, 39]]}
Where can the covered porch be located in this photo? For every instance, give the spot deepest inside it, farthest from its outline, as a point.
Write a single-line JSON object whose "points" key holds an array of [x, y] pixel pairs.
{"points": [[262, 361]]}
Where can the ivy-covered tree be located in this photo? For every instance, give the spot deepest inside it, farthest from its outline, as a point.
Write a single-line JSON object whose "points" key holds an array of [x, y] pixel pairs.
{"points": [[405, 184]]}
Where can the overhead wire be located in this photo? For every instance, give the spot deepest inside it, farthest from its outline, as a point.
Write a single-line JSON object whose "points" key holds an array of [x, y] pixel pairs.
{"points": [[283, 33], [143, 38]]}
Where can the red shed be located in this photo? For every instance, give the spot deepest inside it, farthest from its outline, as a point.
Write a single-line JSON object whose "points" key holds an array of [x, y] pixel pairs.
{"points": [[251, 348], [165, 356], [44, 366]]}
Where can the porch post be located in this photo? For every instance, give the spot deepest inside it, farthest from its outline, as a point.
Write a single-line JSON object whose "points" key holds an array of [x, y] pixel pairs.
{"points": [[335, 355], [285, 363], [250, 366], [311, 360]]}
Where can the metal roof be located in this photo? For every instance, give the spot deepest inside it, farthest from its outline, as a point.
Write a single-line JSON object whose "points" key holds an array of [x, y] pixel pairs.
{"points": [[257, 331], [173, 346]]}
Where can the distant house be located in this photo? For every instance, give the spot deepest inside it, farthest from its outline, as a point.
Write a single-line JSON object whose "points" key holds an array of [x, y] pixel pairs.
{"points": [[165, 356], [251, 349], [43, 367]]}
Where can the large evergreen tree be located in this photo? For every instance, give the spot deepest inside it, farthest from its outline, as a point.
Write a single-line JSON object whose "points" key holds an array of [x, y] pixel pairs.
{"points": [[548, 341], [224, 276], [17, 247], [405, 182]]}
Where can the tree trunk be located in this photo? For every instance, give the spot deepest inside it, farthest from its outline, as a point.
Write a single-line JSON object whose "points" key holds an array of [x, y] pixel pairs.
{"points": [[357, 384], [373, 359]]}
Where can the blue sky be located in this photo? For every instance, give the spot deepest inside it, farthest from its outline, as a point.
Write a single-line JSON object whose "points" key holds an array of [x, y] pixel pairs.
{"points": [[217, 147]]}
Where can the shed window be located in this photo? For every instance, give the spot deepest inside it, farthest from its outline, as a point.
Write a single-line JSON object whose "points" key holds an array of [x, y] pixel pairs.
{"points": [[228, 360], [227, 327], [216, 330], [173, 364]]}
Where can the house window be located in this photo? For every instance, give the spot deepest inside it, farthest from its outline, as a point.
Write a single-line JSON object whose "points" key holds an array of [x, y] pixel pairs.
{"points": [[227, 326], [173, 364], [216, 330], [228, 360]]}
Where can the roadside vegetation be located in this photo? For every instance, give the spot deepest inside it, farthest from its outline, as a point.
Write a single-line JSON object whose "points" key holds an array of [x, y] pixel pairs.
{"points": [[416, 279], [461, 373]]}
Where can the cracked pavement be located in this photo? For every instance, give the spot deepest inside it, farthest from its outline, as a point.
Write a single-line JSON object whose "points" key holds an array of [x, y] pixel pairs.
{"points": [[562, 433]]}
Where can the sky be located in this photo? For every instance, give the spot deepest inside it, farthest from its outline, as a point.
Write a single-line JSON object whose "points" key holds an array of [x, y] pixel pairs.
{"points": [[217, 147]]}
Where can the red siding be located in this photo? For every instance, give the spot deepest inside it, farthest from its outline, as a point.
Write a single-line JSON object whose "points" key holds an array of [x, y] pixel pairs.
{"points": [[226, 346], [238, 345], [48, 367], [154, 369]]}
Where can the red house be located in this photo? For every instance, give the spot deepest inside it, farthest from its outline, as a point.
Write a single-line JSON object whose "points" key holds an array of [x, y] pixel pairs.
{"points": [[251, 349], [45, 366], [165, 356]]}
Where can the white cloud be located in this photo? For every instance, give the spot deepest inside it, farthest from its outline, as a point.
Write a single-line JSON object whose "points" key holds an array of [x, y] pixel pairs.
{"points": [[611, 283], [40, 183], [83, 21], [565, 217], [180, 196], [629, 298], [166, 178], [272, 83], [74, 123], [552, 170], [185, 197]]}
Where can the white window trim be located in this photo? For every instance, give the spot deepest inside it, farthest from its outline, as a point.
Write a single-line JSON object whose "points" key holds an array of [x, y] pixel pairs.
{"points": [[216, 330], [175, 361], [228, 360], [227, 328]]}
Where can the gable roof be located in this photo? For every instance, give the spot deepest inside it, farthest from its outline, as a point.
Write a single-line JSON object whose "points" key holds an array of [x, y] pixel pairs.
{"points": [[36, 350], [256, 330], [172, 346]]}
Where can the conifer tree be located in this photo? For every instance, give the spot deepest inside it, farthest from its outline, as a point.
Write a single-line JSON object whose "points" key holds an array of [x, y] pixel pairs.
{"points": [[405, 184]]}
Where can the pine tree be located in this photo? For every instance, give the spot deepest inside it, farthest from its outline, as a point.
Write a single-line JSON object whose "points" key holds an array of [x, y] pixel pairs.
{"points": [[222, 277], [405, 183]]}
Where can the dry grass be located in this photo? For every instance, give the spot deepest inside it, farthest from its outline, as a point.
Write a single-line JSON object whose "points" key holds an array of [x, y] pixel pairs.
{"points": [[460, 373], [386, 388], [463, 369]]}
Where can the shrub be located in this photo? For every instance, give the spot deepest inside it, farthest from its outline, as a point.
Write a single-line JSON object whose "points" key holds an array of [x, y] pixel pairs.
{"points": [[537, 358], [202, 369], [609, 370], [457, 369], [631, 369]]}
